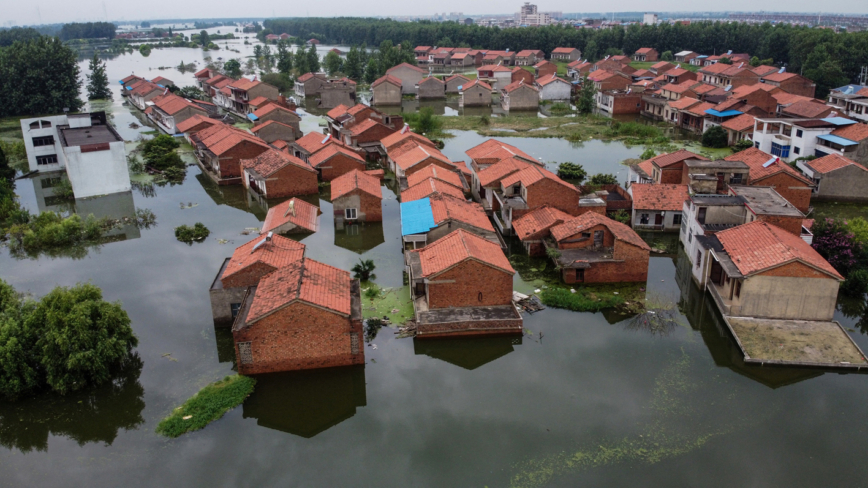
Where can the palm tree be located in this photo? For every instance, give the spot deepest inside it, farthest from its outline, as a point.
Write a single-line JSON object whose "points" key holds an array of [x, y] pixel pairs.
{"points": [[364, 270]]}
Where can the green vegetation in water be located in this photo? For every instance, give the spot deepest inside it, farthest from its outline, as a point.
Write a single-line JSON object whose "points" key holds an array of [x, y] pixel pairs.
{"points": [[161, 154], [380, 302], [582, 300], [364, 270], [189, 235], [64, 189], [68, 340], [206, 406]]}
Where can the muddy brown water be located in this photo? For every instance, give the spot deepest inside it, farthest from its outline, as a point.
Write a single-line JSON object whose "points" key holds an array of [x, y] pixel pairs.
{"points": [[580, 399]]}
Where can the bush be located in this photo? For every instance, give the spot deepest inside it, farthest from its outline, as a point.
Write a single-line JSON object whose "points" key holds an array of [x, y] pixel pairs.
{"points": [[856, 284], [633, 129], [647, 154], [604, 179], [742, 145], [188, 234], [836, 244], [581, 301], [424, 121], [206, 406], [572, 171], [715, 137], [621, 215]]}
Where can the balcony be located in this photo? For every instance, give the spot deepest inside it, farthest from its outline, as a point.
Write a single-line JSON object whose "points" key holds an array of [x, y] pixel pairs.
{"points": [[724, 305]]}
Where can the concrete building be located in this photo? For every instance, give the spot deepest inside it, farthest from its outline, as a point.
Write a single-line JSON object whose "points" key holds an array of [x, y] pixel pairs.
{"points": [[274, 174], [529, 16], [658, 207], [790, 139], [475, 94], [593, 248], [519, 96], [356, 197], [309, 84], [552, 88], [430, 88], [337, 92], [454, 82], [836, 178], [851, 100], [462, 285], [386, 91], [84, 145], [649, 19], [409, 75]]}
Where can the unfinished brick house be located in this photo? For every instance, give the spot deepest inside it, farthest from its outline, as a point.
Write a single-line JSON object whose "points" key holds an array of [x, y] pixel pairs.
{"points": [[294, 216], [792, 83], [544, 68], [669, 167], [523, 75], [462, 285], [356, 197], [837, 178], [273, 174], [337, 92], [770, 171], [535, 226], [303, 316], [309, 84], [247, 265], [276, 113], [596, 249], [335, 160], [646, 54], [607, 80], [530, 188], [220, 149]]}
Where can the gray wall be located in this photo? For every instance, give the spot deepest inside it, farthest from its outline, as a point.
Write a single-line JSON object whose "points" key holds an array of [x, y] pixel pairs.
{"points": [[845, 183], [786, 298]]}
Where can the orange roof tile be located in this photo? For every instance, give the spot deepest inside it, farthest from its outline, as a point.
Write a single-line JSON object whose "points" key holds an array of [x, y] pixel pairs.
{"points": [[243, 84], [667, 159], [592, 219], [219, 139], [537, 220], [386, 79], [784, 98], [741, 123], [475, 83], [758, 246], [399, 137], [364, 125], [779, 77], [435, 172], [303, 78], [271, 107], [854, 132], [680, 87], [715, 69], [532, 175], [447, 207], [172, 104], [186, 125], [807, 109], [427, 187], [308, 281], [683, 103], [518, 85], [277, 253], [756, 160], [647, 166], [267, 163], [314, 141], [356, 180], [699, 110], [644, 50], [550, 79], [764, 70], [320, 157], [337, 111], [405, 65], [258, 101], [659, 197], [294, 210], [202, 72], [493, 149], [745, 90], [832, 162], [496, 172], [416, 155], [563, 50], [460, 246]]}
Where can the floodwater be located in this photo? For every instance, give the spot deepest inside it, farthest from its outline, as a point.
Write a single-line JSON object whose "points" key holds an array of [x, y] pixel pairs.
{"points": [[580, 399]]}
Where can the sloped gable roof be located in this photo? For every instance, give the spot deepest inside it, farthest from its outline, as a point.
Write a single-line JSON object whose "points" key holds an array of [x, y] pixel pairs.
{"points": [[276, 253], [356, 180], [307, 281], [457, 247], [664, 197], [294, 210], [537, 220], [272, 160], [592, 219]]}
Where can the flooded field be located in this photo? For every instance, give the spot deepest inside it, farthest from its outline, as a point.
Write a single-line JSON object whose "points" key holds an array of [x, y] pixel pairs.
{"points": [[581, 399]]}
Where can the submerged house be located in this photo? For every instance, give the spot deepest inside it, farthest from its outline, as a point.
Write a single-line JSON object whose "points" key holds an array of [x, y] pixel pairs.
{"points": [[519, 96], [836, 177], [428, 219], [658, 207], [356, 197], [335, 160], [409, 75], [274, 174], [294, 216], [454, 82], [592, 248], [462, 285], [220, 149], [535, 226], [304, 315], [386, 91], [430, 87], [475, 94]]}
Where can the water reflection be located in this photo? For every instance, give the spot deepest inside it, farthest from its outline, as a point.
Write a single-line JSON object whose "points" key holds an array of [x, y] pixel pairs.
{"points": [[95, 415], [234, 196], [359, 238], [467, 353], [306, 403]]}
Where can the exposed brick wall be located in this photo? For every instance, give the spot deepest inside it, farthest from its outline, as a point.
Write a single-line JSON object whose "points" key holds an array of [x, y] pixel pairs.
{"points": [[615, 83], [428, 162], [375, 133], [230, 161], [475, 328], [554, 194], [522, 75], [471, 279], [300, 336], [249, 276], [547, 69], [276, 132], [633, 267], [291, 181], [578, 242], [799, 86], [795, 270], [763, 100], [339, 164], [793, 225], [370, 208], [793, 190], [627, 104], [672, 174]]}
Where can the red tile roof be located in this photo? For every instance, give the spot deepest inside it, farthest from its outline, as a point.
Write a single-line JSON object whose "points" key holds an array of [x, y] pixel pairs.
{"points": [[563, 50], [699, 110], [314, 141], [271, 107], [756, 160], [784, 98], [427, 187], [460, 246], [416, 155], [779, 77], [320, 157], [277, 253], [447, 207], [524, 54], [356, 180], [308, 281], [160, 80], [387, 79], [405, 65], [683, 103], [537, 220], [294, 210], [764, 70], [337, 111], [758, 246], [807, 109], [680, 87], [186, 125], [518, 85], [492, 67], [503, 168], [267, 163], [550, 79], [365, 125], [493, 149], [453, 77], [267, 123], [202, 72], [131, 78], [854, 132], [832, 162], [400, 137], [303, 78], [659, 197], [436, 172], [258, 101], [531, 175], [741, 123], [665, 66], [172, 104], [715, 69], [146, 87], [644, 50], [475, 83], [244, 84], [219, 139], [592, 219], [668, 159]]}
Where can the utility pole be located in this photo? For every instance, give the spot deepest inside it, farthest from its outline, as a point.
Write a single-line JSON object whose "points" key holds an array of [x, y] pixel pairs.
{"points": [[863, 76]]}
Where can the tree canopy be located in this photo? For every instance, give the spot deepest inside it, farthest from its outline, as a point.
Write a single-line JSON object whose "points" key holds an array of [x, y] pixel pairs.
{"points": [[88, 30], [97, 80], [39, 76]]}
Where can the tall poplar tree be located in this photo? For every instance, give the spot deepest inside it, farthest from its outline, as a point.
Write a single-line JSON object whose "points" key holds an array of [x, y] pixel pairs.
{"points": [[97, 80]]}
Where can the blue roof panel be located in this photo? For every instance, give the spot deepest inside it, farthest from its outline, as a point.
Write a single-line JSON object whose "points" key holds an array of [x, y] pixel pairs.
{"points": [[839, 121], [726, 113], [252, 117], [416, 217], [837, 140]]}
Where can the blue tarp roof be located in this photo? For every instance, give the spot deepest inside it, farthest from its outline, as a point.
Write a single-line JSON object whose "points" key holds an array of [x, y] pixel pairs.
{"points": [[837, 140], [416, 217], [128, 87], [727, 113], [252, 117], [839, 121]]}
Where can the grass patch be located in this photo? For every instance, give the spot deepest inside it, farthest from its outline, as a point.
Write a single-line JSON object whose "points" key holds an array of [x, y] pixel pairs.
{"points": [[207, 406], [379, 302], [648, 64], [583, 300], [189, 235]]}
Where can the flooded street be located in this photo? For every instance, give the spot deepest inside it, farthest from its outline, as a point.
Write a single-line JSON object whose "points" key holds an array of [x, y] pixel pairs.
{"points": [[581, 399]]}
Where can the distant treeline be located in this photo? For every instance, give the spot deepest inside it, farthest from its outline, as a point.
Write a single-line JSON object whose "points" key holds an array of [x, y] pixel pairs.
{"points": [[87, 30], [8, 36], [784, 44]]}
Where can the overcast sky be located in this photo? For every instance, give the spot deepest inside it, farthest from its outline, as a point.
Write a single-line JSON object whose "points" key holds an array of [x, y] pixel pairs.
{"points": [[58, 11]]}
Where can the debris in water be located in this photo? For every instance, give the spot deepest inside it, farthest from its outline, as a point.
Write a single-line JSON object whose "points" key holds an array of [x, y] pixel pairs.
{"points": [[373, 346], [572, 290], [187, 417], [537, 290], [222, 241], [134, 125], [395, 310]]}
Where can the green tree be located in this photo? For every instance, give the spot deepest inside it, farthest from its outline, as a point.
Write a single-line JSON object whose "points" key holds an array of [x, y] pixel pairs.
{"points": [[39, 76], [604, 179], [364, 270], [715, 137], [572, 171], [755, 61], [145, 50], [97, 80], [353, 66], [742, 145], [333, 63], [667, 56], [189, 92], [204, 39], [7, 172], [586, 102], [823, 70], [724, 61], [647, 154], [301, 61], [312, 59], [592, 52], [858, 226], [372, 71], [284, 59], [161, 153], [232, 68]]}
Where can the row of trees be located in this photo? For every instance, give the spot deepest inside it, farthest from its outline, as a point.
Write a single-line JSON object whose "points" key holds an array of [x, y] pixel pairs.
{"points": [[88, 30], [826, 57], [39, 76]]}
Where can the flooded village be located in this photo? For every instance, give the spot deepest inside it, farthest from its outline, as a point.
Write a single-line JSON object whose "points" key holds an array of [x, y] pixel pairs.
{"points": [[455, 304]]}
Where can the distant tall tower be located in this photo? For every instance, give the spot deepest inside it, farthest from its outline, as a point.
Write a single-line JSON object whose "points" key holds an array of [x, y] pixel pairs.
{"points": [[528, 15], [649, 19]]}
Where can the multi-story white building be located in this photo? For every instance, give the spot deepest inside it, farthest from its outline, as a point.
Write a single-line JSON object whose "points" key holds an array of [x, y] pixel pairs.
{"points": [[649, 19], [90, 151], [530, 16], [790, 139]]}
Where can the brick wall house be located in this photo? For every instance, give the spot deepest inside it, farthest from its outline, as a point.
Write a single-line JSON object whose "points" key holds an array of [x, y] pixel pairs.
{"points": [[334, 161], [668, 168], [533, 187], [766, 170], [357, 197], [303, 316], [280, 114], [220, 149], [597, 249], [792, 83], [273, 131], [534, 226], [273, 174]]}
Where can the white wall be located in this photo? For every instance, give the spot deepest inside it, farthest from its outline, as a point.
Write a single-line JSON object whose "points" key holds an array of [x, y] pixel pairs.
{"points": [[555, 91], [32, 152], [98, 172]]}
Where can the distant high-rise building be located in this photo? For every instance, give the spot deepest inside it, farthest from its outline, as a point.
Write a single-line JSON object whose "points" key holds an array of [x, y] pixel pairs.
{"points": [[649, 19], [529, 15]]}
